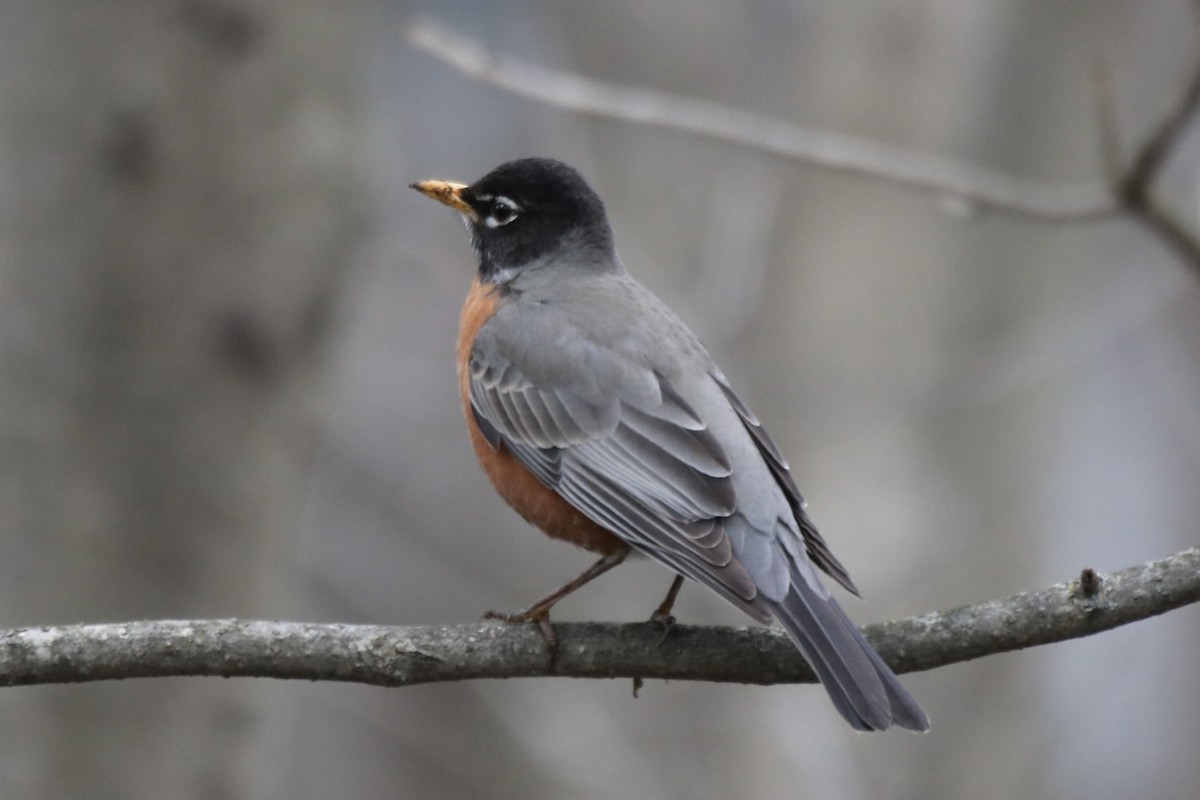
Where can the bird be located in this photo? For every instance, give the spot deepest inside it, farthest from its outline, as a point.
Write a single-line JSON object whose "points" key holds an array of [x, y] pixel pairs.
{"points": [[601, 419]]}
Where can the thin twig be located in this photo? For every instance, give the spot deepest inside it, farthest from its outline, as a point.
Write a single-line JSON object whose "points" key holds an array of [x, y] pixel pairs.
{"points": [[972, 187], [1133, 189], [975, 187], [1158, 146], [393, 656], [1169, 229]]}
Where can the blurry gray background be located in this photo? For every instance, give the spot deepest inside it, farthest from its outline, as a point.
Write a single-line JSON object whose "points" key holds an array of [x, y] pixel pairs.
{"points": [[227, 389]]}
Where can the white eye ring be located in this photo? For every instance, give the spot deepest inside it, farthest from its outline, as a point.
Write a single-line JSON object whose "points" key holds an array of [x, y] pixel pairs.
{"points": [[503, 212]]}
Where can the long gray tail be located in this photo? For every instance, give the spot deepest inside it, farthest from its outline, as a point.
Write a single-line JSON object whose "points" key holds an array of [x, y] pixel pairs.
{"points": [[863, 688]]}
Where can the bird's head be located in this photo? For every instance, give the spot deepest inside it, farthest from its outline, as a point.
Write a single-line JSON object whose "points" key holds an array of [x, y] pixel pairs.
{"points": [[527, 213]]}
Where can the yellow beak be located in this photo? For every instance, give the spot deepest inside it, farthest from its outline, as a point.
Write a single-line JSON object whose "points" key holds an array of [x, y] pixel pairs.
{"points": [[447, 193]]}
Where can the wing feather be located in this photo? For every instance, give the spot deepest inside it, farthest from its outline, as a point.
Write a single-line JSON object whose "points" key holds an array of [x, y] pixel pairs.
{"points": [[814, 543], [642, 464], [595, 495], [695, 494], [695, 447]]}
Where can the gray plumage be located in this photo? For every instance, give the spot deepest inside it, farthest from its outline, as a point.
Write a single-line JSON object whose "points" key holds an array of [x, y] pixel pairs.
{"points": [[607, 398], [647, 438]]}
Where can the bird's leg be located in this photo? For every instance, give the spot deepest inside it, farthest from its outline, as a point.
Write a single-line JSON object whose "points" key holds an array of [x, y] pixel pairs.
{"points": [[539, 612], [662, 615]]}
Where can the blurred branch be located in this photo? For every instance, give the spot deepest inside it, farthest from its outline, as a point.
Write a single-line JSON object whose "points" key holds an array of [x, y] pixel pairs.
{"points": [[1133, 188], [395, 656], [975, 188]]}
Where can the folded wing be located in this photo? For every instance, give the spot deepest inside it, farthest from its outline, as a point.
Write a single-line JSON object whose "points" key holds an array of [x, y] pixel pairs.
{"points": [[641, 463]]}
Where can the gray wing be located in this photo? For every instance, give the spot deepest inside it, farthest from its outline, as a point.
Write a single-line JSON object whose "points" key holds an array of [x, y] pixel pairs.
{"points": [[619, 443], [814, 543]]}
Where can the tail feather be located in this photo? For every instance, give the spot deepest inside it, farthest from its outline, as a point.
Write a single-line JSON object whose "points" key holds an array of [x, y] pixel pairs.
{"points": [[863, 689]]}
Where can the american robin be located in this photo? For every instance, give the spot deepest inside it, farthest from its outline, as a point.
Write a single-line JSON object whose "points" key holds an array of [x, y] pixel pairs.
{"points": [[600, 418]]}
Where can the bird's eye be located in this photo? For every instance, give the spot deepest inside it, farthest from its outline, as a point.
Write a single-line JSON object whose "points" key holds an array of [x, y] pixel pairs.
{"points": [[503, 211]]}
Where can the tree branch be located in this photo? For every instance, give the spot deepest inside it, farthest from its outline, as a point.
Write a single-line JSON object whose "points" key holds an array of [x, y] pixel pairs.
{"points": [[979, 188], [395, 656], [976, 188], [1133, 189]]}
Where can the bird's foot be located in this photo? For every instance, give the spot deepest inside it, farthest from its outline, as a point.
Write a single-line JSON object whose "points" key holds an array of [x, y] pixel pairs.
{"points": [[538, 613], [662, 615], [666, 622]]}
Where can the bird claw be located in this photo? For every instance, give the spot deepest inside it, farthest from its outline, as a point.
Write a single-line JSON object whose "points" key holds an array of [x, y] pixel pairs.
{"points": [[533, 614], [539, 612], [666, 622]]}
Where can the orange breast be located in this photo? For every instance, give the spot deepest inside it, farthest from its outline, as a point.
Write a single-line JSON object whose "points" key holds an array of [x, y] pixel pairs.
{"points": [[540, 506]]}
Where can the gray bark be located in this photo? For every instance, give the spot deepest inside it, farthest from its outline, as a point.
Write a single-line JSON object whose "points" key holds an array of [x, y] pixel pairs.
{"points": [[395, 656]]}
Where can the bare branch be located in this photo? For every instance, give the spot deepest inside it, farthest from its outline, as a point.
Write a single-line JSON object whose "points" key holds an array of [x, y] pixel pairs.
{"points": [[1168, 228], [970, 186], [392, 656], [1133, 189], [1161, 142], [976, 187]]}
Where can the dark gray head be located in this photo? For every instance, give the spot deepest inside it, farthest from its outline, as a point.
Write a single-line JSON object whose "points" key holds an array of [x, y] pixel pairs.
{"points": [[526, 211]]}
